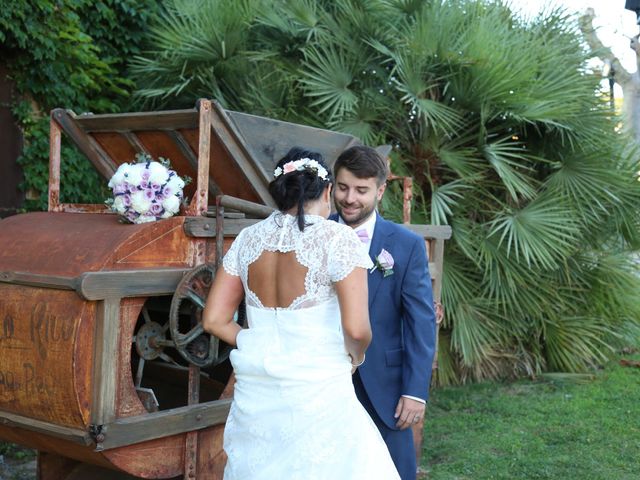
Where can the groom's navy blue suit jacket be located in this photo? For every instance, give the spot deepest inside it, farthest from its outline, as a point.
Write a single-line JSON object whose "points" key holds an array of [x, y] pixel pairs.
{"points": [[401, 313]]}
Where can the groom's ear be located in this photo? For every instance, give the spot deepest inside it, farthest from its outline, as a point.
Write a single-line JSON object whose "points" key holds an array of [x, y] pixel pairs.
{"points": [[381, 190]]}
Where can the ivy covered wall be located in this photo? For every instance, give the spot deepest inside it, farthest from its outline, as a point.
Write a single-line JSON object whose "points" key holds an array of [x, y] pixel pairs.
{"points": [[70, 54]]}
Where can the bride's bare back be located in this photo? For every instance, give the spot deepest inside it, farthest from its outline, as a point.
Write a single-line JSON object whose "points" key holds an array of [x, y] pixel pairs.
{"points": [[277, 279]]}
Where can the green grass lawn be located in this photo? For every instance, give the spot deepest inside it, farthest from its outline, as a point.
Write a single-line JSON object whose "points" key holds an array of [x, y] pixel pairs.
{"points": [[537, 429]]}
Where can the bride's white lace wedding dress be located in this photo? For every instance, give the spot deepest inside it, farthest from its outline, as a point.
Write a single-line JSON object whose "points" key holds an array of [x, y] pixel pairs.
{"points": [[295, 414]]}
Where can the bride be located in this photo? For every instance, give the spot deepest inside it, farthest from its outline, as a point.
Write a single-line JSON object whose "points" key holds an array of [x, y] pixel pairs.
{"points": [[295, 414]]}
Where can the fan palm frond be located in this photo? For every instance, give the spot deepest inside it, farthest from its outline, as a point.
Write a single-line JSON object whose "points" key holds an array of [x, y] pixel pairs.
{"points": [[540, 233], [328, 76]]}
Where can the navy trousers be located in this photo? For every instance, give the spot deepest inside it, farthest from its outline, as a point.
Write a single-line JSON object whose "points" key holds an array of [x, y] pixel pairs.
{"points": [[399, 442]]}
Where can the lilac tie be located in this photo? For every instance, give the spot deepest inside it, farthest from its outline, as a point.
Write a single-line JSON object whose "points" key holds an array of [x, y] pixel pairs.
{"points": [[363, 235]]}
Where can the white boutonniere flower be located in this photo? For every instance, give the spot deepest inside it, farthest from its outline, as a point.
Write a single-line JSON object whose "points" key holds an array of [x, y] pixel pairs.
{"points": [[384, 261]]}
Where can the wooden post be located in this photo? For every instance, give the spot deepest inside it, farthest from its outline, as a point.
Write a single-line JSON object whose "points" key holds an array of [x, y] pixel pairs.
{"points": [[198, 207], [55, 141], [201, 196], [104, 367]]}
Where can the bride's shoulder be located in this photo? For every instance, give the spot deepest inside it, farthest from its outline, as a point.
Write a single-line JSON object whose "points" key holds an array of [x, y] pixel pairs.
{"points": [[339, 230]]}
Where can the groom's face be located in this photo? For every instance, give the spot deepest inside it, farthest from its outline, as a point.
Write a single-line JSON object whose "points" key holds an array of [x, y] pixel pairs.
{"points": [[356, 198]]}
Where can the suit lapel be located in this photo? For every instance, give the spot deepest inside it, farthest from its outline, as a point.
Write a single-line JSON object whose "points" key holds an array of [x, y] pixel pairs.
{"points": [[381, 233]]}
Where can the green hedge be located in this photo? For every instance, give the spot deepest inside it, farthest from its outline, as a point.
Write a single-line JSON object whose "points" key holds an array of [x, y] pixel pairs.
{"points": [[70, 54]]}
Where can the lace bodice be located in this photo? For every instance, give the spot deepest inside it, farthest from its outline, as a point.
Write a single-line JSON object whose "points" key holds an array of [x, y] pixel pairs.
{"points": [[329, 251]]}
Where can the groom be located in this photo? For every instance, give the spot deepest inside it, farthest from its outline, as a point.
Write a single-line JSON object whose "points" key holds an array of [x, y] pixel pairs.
{"points": [[393, 382]]}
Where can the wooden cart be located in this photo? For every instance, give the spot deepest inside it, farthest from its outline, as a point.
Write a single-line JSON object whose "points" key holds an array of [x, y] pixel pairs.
{"points": [[104, 368]]}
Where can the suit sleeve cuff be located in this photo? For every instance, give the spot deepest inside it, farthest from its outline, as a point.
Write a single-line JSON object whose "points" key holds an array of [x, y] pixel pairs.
{"points": [[421, 400]]}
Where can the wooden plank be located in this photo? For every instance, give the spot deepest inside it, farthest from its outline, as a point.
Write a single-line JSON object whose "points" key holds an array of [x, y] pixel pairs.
{"points": [[140, 428], [121, 122], [135, 142], [82, 208], [438, 260], [105, 361], [206, 227], [129, 283], [37, 280], [75, 435], [239, 152], [198, 205], [103, 163], [430, 231], [55, 139], [269, 139], [245, 206], [191, 440], [434, 272]]}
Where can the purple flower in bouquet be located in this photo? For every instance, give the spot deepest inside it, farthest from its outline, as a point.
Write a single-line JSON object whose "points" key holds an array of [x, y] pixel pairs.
{"points": [[156, 209], [119, 189]]}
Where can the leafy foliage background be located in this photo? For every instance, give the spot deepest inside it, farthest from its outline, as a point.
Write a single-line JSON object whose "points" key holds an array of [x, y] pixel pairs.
{"points": [[71, 54], [498, 119]]}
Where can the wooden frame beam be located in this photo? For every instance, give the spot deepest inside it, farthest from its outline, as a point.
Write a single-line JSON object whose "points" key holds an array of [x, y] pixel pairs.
{"points": [[140, 428], [75, 435], [103, 405]]}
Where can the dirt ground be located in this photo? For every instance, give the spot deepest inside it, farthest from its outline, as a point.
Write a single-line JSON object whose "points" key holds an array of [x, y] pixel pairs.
{"points": [[16, 462]]}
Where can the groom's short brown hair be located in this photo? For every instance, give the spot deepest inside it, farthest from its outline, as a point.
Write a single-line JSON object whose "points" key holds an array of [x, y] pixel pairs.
{"points": [[363, 162]]}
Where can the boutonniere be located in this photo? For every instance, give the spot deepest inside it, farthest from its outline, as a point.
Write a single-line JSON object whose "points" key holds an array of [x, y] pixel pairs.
{"points": [[384, 261]]}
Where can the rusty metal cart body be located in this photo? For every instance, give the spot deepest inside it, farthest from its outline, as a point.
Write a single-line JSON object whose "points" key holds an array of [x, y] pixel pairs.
{"points": [[103, 366]]}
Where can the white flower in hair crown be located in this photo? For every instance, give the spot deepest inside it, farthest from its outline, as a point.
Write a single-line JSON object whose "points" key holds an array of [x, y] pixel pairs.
{"points": [[299, 165]]}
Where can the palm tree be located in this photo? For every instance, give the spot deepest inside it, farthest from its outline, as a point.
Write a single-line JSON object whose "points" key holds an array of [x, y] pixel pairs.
{"points": [[500, 123]]}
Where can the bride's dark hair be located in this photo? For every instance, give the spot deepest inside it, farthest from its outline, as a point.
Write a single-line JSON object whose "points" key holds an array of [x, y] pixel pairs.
{"points": [[299, 186]]}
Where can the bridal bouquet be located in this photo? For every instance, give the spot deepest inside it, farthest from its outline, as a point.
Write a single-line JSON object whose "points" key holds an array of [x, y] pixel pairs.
{"points": [[146, 191]]}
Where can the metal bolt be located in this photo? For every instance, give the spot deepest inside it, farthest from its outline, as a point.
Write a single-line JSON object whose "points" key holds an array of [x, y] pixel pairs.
{"points": [[199, 416]]}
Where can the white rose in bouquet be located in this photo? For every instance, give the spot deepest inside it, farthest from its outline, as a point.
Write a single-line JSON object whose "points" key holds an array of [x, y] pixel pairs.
{"points": [[134, 174], [171, 204], [176, 184], [119, 177], [140, 203], [158, 173], [118, 204]]}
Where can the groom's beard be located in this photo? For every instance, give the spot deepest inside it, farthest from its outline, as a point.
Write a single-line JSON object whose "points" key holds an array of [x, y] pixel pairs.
{"points": [[356, 213]]}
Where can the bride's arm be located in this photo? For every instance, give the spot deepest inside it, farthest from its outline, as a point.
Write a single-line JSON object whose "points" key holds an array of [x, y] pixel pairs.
{"points": [[354, 310], [222, 302]]}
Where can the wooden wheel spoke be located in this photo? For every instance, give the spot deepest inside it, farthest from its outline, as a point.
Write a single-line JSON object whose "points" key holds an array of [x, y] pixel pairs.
{"points": [[195, 298], [214, 347], [190, 336]]}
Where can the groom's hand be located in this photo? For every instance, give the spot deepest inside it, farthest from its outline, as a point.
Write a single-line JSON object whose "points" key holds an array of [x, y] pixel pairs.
{"points": [[408, 412]]}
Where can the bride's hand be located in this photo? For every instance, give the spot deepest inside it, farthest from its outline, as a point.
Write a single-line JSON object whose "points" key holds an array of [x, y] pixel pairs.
{"points": [[355, 365]]}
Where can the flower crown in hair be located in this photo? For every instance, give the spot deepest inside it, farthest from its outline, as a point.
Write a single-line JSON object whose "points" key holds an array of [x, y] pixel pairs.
{"points": [[302, 164]]}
